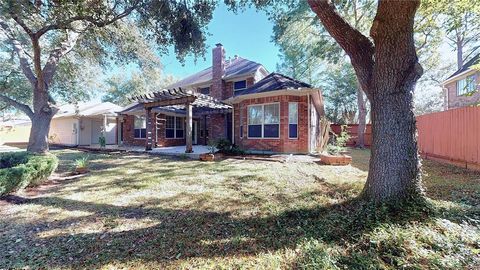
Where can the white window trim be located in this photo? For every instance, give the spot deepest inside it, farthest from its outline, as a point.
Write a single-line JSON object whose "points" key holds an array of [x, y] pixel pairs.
{"points": [[139, 138], [292, 138], [239, 88], [174, 127], [263, 121]]}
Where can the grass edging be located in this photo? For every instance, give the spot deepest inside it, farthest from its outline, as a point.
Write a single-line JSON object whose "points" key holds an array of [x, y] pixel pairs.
{"points": [[21, 169]]}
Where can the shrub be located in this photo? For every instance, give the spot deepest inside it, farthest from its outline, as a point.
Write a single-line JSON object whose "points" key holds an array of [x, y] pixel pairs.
{"points": [[21, 169], [339, 142], [224, 145]]}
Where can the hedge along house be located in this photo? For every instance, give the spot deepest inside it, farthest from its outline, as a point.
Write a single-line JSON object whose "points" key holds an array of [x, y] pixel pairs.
{"points": [[235, 99]]}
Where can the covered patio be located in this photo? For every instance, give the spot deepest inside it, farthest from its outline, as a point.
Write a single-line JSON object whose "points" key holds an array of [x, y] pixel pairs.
{"points": [[188, 101]]}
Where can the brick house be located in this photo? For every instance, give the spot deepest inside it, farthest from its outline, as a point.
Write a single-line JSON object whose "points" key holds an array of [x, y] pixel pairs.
{"points": [[461, 88], [268, 112]]}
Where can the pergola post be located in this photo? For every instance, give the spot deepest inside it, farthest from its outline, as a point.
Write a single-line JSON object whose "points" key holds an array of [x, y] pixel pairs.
{"points": [[188, 108], [148, 127]]}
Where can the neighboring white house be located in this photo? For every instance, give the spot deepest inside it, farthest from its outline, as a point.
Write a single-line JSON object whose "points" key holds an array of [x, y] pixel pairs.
{"points": [[83, 124]]}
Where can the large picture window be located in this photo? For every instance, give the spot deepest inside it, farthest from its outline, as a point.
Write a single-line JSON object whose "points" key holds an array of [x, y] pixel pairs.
{"points": [[174, 127], [264, 121], [140, 127], [466, 85], [293, 120]]}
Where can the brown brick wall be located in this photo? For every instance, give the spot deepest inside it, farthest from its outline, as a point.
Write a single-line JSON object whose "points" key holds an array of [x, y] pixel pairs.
{"points": [[218, 70], [128, 133], [455, 101], [283, 144]]}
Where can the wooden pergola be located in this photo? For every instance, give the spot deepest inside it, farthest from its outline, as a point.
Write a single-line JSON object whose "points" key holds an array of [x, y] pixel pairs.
{"points": [[189, 100]]}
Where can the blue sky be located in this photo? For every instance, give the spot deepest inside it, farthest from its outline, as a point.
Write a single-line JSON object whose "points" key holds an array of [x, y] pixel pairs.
{"points": [[247, 34]]}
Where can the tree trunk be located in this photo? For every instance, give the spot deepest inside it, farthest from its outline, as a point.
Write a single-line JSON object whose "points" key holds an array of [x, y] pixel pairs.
{"points": [[38, 141], [459, 52], [362, 118], [394, 172]]}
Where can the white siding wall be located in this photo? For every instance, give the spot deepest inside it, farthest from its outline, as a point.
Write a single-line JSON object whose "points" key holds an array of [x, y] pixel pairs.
{"points": [[62, 131], [85, 131]]}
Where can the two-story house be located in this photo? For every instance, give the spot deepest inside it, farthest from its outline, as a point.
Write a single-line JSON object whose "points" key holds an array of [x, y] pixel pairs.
{"points": [[269, 112], [461, 88]]}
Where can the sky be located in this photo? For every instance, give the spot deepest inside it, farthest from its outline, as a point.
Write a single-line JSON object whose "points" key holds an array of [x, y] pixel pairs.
{"points": [[247, 34]]}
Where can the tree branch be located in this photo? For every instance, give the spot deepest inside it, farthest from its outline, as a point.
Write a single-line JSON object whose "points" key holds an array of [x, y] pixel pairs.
{"points": [[23, 25], [98, 23], [55, 56], [357, 46], [22, 55], [23, 107]]}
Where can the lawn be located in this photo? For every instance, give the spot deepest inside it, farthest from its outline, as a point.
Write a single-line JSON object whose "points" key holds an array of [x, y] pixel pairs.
{"points": [[143, 212]]}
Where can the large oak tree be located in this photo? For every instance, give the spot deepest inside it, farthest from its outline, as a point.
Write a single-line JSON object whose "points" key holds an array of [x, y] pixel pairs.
{"points": [[43, 33], [387, 68]]}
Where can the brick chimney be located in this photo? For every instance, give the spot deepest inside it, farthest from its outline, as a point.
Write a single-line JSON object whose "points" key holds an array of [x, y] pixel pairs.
{"points": [[218, 70]]}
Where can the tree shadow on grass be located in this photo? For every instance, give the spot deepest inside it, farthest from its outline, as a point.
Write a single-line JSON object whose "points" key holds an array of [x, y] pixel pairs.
{"points": [[183, 233]]}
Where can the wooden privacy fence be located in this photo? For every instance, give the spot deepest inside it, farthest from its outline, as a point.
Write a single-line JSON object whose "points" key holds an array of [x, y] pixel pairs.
{"points": [[352, 131], [451, 136]]}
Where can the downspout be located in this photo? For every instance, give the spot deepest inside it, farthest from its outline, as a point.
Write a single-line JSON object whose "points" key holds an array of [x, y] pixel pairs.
{"points": [[233, 124], [78, 132], [309, 125]]}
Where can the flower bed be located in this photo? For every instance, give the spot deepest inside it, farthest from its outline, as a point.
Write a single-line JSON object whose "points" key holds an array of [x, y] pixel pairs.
{"points": [[21, 169]]}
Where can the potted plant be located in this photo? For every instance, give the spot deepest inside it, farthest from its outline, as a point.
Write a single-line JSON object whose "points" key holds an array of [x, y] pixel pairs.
{"points": [[336, 150], [212, 147], [81, 165]]}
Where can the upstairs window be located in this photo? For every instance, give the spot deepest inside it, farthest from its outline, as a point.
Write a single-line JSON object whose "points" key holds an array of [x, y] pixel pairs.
{"points": [[466, 85], [204, 90], [239, 85], [174, 127], [293, 120], [264, 121], [140, 127]]}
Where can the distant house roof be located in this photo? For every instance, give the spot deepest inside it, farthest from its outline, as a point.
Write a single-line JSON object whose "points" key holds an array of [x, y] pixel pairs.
{"points": [[88, 109], [466, 66], [273, 82], [236, 67]]}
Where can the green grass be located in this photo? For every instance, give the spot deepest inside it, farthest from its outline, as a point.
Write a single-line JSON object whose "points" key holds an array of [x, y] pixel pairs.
{"points": [[143, 212]]}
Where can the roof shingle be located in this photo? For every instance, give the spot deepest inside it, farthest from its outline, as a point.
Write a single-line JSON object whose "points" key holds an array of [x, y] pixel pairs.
{"points": [[475, 60], [273, 82], [233, 68]]}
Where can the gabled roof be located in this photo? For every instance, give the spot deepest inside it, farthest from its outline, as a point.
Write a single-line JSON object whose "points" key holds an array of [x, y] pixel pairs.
{"points": [[475, 60], [273, 82], [236, 67], [88, 109]]}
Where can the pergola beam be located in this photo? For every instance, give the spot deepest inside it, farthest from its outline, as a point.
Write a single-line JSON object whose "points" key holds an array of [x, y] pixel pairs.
{"points": [[167, 102]]}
